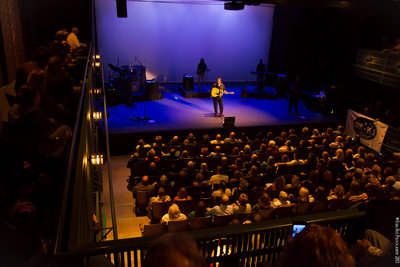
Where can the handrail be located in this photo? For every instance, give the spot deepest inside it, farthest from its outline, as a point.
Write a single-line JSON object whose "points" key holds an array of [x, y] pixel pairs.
{"points": [[210, 233], [110, 182], [67, 183]]}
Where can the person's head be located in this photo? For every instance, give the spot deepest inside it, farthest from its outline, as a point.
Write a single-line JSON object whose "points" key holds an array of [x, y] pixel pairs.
{"points": [[316, 246], [28, 96], [152, 166], [280, 182], [199, 178], [247, 149], [304, 194], [264, 200], [218, 137], [175, 138], [203, 166], [355, 188], [202, 60], [296, 181], [283, 135], [232, 135], [271, 144], [237, 174], [206, 138], [219, 80], [185, 154], [174, 249], [161, 191], [163, 179], [243, 199], [37, 79], [339, 154], [190, 165], [145, 180], [339, 191], [204, 151], [224, 200], [261, 61], [182, 193], [151, 153], [200, 209], [75, 30], [391, 180], [55, 64], [174, 211], [219, 169], [283, 196]]}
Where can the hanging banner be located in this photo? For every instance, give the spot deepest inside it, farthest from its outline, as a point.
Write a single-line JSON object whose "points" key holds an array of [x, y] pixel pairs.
{"points": [[371, 132]]}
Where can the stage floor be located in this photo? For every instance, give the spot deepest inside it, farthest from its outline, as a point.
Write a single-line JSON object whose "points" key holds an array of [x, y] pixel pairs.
{"points": [[174, 112]]}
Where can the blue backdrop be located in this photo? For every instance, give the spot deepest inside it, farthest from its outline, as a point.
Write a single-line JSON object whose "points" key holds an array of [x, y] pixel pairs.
{"points": [[170, 38]]}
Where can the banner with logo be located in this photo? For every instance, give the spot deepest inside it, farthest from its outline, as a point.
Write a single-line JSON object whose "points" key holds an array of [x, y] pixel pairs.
{"points": [[371, 132]]}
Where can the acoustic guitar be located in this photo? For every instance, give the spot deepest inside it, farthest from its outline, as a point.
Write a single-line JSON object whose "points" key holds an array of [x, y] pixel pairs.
{"points": [[215, 92]]}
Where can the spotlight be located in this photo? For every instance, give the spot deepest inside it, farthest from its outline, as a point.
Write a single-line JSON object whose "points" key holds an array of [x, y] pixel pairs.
{"points": [[234, 5], [97, 64], [96, 91], [97, 56], [97, 159]]}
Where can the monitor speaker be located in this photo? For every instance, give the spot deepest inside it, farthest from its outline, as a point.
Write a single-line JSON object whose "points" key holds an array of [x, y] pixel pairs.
{"points": [[122, 11], [229, 122]]}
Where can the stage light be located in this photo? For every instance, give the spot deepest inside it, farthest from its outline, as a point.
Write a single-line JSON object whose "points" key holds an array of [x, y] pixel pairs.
{"points": [[97, 115], [97, 56], [97, 159], [97, 64]]}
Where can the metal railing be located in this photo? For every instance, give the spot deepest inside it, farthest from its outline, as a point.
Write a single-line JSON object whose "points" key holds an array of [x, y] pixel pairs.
{"points": [[83, 184], [248, 245]]}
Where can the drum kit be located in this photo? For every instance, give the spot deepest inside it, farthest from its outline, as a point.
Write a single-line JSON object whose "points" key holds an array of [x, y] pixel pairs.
{"points": [[128, 79]]}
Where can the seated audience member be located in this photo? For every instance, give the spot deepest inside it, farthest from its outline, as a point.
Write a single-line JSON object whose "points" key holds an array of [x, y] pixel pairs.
{"points": [[217, 178], [304, 196], [144, 185], [57, 81], [22, 73], [217, 153], [73, 41], [205, 140], [203, 153], [320, 194], [218, 140], [141, 144], [174, 214], [242, 204], [317, 246], [163, 182], [174, 141], [182, 195], [263, 203], [224, 208], [199, 180], [283, 200], [151, 156], [190, 140], [160, 198], [354, 194], [204, 171], [174, 249], [199, 211], [158, 142], [337, 193], [287, 147], [254, 178], [45, 138], [277, 186], [222, 190], [37, 80], [231, 139]]}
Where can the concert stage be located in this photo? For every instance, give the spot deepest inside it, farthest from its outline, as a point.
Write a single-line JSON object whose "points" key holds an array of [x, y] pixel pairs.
{"points": [[174, 112]]}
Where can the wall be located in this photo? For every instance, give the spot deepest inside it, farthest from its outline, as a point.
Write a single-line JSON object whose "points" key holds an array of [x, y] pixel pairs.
{"points": [[170, 38]]}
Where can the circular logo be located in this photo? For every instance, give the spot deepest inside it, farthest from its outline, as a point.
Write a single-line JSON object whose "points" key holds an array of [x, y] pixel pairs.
{"points": [[365, 128]]}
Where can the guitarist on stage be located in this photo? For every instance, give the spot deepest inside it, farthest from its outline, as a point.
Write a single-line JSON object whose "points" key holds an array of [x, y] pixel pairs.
{"points": [[217, 91]]}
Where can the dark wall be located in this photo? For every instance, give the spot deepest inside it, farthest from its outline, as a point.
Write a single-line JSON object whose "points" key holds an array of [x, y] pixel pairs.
{"points": [[41, 19], [320, 43]]}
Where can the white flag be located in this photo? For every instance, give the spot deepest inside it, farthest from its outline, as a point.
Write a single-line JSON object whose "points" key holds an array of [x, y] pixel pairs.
{"points": [[371, 132]]}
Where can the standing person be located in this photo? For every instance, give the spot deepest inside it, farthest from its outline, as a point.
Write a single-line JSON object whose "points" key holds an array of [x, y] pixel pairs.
{"points": [[294, 95], [201, 71], [217, 91], [260, 77]]}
